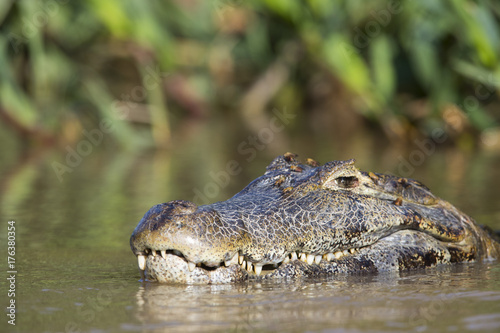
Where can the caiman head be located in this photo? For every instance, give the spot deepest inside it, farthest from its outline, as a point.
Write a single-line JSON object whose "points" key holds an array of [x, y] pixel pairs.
{"points": [[307, 220]]}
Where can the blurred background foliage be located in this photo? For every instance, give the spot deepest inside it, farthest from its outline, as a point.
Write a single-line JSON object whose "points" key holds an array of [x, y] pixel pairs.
{"points": [[401, 68]]}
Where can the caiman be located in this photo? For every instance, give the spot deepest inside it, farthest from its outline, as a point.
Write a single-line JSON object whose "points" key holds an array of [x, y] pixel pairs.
{"points": [[307, 220]]}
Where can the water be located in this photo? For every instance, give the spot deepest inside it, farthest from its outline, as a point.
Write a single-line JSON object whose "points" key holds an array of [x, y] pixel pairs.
{"points": [[76, 273]]}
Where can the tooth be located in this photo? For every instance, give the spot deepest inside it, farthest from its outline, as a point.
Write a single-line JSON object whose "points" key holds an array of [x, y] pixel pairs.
{"points": [[329, 256], [241, 259], [345, 252], [249, 266], [243, 264], [317, 259], [234, 260], [153, 252], [338, 254], [163, 254], [352, 251], [258, 268], [287, 259], [294, 256], [146, 251], [303, 257], [141, 261], [310, 259], [191, 266]]}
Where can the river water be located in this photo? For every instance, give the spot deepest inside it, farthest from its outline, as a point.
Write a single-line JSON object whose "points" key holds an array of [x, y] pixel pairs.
{"points": [[75, 271]]}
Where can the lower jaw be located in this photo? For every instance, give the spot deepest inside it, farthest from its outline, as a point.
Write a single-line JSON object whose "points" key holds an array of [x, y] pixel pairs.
{"points": [[175, 270]]}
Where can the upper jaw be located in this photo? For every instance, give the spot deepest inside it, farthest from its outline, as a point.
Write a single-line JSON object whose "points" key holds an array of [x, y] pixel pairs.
{"points": [[162, 235], [192, 250]]}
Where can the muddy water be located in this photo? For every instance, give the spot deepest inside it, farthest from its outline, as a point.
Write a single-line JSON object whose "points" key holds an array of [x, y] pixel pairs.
{"points": [[76, 273]]}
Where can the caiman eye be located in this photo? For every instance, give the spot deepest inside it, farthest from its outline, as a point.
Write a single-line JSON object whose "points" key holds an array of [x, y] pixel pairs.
{"points": [[347, 182]]}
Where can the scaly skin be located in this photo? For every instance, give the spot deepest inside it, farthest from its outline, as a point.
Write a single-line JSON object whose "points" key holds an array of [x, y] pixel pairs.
{"points": [[334, 218]]}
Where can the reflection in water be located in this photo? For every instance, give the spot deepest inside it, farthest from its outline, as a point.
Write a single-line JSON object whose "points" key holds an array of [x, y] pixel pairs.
{"points": [[363, 303]]}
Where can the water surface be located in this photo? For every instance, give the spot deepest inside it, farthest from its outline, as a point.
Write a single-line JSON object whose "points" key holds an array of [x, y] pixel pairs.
{"points": [[76, 272]]}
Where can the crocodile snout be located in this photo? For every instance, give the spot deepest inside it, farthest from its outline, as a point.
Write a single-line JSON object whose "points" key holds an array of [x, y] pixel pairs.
{"points": [[193, 233]]}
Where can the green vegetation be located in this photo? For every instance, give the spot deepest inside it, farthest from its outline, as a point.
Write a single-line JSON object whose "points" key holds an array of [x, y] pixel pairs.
{"points": [[146, 66]]}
